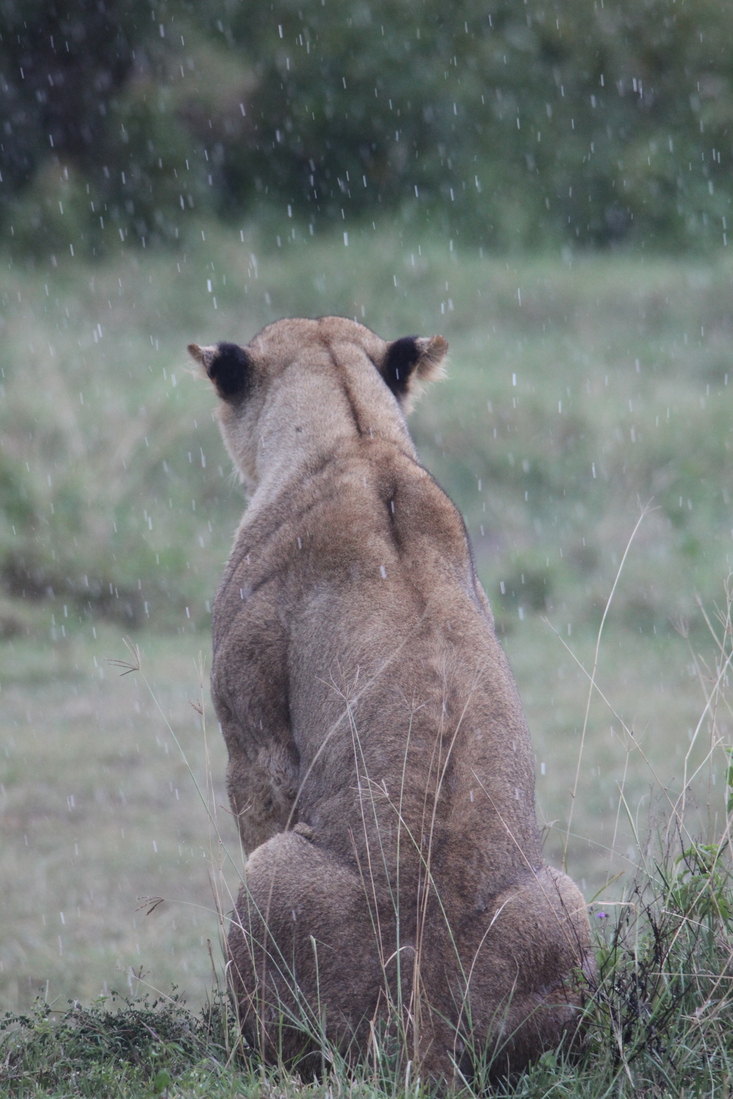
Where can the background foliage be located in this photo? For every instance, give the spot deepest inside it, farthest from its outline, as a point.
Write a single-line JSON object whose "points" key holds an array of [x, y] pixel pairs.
{"points": [[505, 123]]}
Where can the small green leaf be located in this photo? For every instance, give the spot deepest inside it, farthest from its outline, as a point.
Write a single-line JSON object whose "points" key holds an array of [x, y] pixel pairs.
{"points": [[162, 1081]]}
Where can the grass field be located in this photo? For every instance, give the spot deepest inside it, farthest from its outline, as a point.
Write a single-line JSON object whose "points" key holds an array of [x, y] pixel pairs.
{"points": [[581, 392], [101, 816]]}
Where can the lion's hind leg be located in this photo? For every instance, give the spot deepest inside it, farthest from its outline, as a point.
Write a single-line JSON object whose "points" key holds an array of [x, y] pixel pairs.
{"points": [[306, 963], [530, 973]]}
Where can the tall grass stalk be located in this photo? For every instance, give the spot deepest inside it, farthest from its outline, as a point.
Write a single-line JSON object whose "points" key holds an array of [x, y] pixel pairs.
{"points": [[592, 682]]}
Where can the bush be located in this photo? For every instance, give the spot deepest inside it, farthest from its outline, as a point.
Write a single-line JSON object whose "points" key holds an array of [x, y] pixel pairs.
{"points": [[504, 124]]}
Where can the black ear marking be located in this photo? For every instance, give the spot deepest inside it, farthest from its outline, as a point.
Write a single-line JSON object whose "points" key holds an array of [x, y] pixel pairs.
{"points": [[227, 365], [401, 359], [229, 369]]}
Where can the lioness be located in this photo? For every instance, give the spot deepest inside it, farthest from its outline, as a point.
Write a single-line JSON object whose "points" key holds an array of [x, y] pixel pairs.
{"points": [[380, 766]]}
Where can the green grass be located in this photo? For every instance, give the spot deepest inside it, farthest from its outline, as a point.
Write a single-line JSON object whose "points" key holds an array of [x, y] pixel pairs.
{"points": [[576, 389], [101, 817], [580, 390], [658, 1022]]}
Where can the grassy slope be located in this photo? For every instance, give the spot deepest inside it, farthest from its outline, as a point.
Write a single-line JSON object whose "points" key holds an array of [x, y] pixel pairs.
{"points": [[575, 389], [101, 817], [111, 474]]}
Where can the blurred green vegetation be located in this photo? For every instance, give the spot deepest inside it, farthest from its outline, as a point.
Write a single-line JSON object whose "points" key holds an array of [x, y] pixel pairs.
{"points": [[502, 123], [579, 391]]}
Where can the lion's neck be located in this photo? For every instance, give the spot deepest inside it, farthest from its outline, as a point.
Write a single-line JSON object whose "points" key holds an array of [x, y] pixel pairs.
{"points": [[304, 427]]}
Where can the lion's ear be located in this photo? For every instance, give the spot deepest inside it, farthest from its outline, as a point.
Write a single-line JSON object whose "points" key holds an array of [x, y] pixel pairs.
{"points": [[411, 360], [227, 365]]}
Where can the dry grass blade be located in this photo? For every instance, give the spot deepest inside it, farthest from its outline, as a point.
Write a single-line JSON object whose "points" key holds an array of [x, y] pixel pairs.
{"points": [[133, 665], [592, 679]]}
